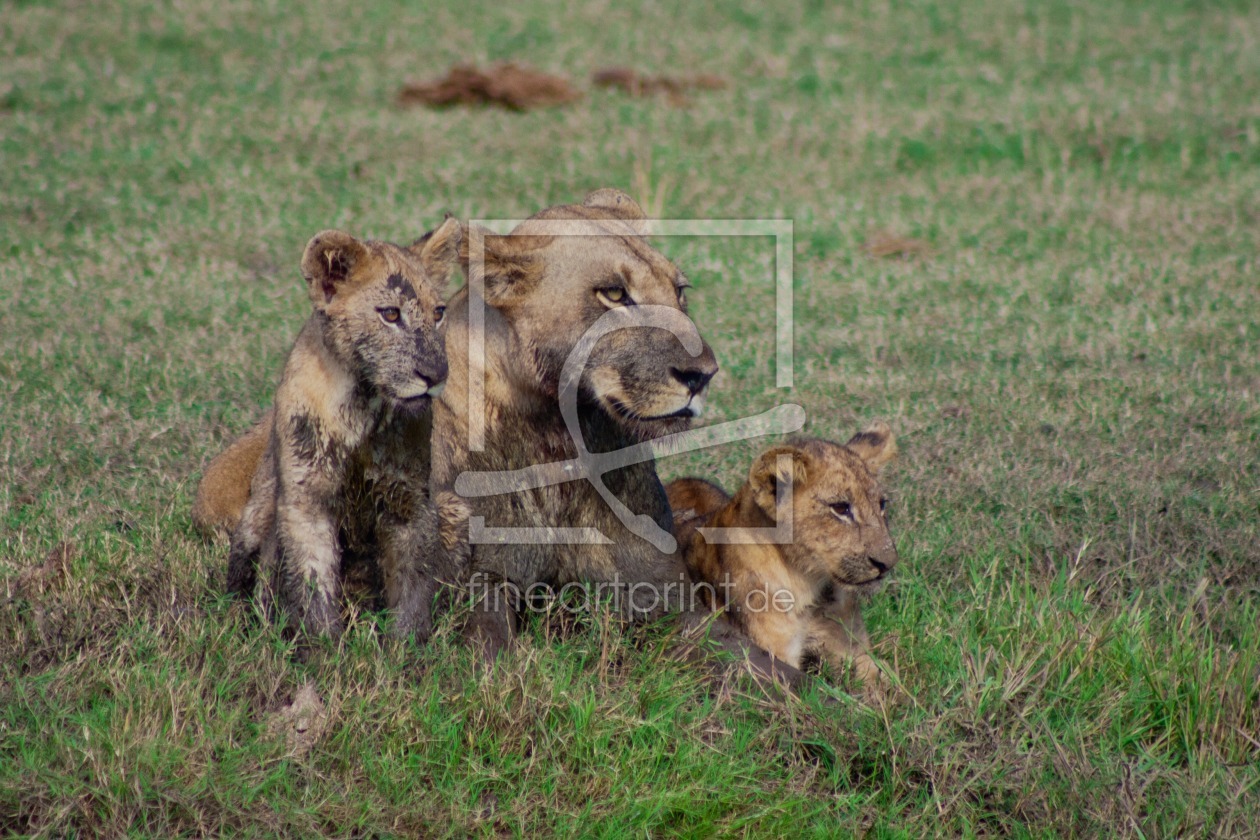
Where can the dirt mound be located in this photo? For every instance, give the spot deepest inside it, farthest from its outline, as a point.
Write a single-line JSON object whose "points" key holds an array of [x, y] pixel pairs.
{"points": [[520, 88], [641, 84], [884, 244], [509, 85]]}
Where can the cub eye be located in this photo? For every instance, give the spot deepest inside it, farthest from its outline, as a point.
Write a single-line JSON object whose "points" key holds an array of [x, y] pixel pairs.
{"points": [[842, 509], [439, 314], [389, 314], [682, 296], [614, 296], [883, 505]]}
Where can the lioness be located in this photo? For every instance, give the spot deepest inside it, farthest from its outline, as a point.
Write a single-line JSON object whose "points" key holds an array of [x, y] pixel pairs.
{"points": [[800, 600], [543, 290], [346, 461]]}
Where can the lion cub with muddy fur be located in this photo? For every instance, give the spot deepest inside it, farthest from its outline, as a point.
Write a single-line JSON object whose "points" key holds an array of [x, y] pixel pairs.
{"points": [[799, 599], [345, 470]]}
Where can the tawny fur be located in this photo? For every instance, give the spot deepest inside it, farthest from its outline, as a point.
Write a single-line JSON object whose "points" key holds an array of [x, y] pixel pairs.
{"points": [[799, 600], [542, 292], [345, 471], [224, 486]]}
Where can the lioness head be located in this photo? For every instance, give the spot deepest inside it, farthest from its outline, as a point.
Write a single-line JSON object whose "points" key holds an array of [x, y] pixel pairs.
{"points": [[564, 269], [381, 308], [839, 526]]}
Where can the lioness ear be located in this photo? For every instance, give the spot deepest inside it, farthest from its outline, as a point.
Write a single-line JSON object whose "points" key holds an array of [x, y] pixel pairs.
{"points": [[619, 205], [328, 262], [875, 445], [438, 251], [774, 468], [506, 266]]}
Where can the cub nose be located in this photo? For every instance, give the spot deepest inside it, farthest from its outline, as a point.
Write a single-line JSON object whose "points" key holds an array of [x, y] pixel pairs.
{"points": [[883, 563], [435, 374]]}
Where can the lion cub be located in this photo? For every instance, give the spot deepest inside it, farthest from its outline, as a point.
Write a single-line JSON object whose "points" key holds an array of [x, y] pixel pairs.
{"points": [[345, 468], [796, 593]]}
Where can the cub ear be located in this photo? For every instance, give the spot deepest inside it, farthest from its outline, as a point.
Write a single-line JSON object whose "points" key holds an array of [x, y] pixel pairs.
{"points": [[618, 205], [774, 468], [875, 445], [438, 251], [328, 262], [506, 266]]}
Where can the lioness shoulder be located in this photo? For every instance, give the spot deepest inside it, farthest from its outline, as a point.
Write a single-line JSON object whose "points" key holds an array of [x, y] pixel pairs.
{"points": [[821, 543], [345, 466]]}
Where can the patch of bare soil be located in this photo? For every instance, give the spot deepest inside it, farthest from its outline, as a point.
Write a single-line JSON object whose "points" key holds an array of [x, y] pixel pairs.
{"points": [[641, 84], [508, 85], [884, 244], [36, 579], [301, 721], [520, 88]]}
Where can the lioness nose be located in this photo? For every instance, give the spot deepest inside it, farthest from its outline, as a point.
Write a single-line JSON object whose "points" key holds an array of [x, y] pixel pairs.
{"points": [[698, 371], [695, 380]]}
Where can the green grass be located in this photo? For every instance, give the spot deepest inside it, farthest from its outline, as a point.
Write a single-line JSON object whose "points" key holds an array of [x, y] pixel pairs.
{"points": [[1072, 365]]}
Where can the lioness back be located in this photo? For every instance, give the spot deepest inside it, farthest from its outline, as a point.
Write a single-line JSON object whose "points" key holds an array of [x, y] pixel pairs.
{"points": [[224, 486], [792, 553]]}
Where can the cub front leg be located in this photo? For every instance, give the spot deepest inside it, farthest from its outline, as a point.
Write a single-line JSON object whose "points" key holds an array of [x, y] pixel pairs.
{"points": [[414, 572], [764, 641], [765, 667], [781, 633], [310, 565], [841, 645]]}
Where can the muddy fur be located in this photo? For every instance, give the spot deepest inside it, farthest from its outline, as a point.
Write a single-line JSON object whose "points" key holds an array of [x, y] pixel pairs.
{"points": [[345, 471]]}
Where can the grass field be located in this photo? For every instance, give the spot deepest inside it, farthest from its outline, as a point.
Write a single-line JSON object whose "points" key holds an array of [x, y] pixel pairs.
{"points": [[1069, 351]]}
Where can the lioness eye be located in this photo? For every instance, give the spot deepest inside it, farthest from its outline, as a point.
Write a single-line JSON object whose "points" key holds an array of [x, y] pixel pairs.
{"points": [[615, 296], [883, 505], [682, 297], [439, 314], [842, 509], [390, 314]]}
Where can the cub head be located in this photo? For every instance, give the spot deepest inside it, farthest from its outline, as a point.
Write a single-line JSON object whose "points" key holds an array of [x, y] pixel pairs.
{"points": [[839, 525], [381, 308], [564, 269]]}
